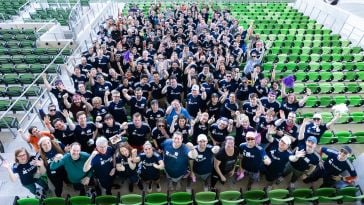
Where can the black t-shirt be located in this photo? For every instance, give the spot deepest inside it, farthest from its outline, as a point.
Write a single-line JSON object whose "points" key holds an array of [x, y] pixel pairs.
{"points": [[117, 111], [66, 136], [157, 89], [83, 134], [26, 171], [111, 131], [154, 116], [58, 94], [227, 162], [137, 136]]}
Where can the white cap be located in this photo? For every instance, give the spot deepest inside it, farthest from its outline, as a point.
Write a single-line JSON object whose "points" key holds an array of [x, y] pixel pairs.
{"points": [[286, 139], [317, 115], [201, 137], [195, 87]]}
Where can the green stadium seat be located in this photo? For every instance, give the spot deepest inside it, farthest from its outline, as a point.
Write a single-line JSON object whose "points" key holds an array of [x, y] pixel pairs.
{"points": [[352, 88], [181, 198], [28, 201], [326, 116], [338, 76], [357, 117], [21, 105], [314, 87], [311, 101], [355, 100], [206, 198], [303, 195], [326, 66], [359, 137], [344, 118], [344, 137], [325, 101], [36, 68], [33, 91], [339, 99], [351, 76], [231, 198], [358, 57], [350, 194], [299, 88], [300, 76], [255, 197], [327, 195], [106, 199], [326, 76], [314, 76], [10, 79], [21, 68], [54, 201], [80, 200], [339, 88], [9, 122], [279, 196], [349, 66], [314, 67], [26, 78], [156, 198], [14, 91]]}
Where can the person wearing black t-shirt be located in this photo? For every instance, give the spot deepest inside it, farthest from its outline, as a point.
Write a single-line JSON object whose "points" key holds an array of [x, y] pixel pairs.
{"points": [[109, 128], [160, 133], [317, 128], [100, 86], [149, 165], [262, 122], [270, 102], [195, 100], [99, 110], [173, 90], [214, 106], [290, 103], [224, 162], [85, 132], [288, 127], [154, 113], [58, 91], [63, 132], [145, 86], [102, 162], [200, 125], [157, 85], [26, 168], [116, 106], [251, 107], [138, 103], [137, 131], [242, 128]]}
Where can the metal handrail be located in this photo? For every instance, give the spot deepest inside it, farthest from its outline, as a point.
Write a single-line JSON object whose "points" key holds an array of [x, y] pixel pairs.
{"points": [[33, 83], [22, 6]]}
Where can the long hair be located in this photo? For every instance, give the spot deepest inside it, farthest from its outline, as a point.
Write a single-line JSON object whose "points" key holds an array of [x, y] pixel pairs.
{"points": [[123, 144], [17, 151], [55, 146]]}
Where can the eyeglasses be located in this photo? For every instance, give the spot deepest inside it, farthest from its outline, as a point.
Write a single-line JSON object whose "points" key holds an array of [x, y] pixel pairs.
{"points": [[22, 155], [250, 139], [52, 110], [228, 76], [116, 96], [161, 126], [316, 119], [254, 56]]}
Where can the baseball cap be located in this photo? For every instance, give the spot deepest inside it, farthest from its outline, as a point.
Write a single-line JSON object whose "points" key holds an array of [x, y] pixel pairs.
{"points": [[312, 139], [195, 87], [57, 82], [201, 137], [214, 95], [317, 115], [286, 140], [347, 149]]}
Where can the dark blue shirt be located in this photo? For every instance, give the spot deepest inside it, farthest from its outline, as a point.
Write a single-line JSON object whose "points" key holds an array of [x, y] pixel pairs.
{"points": [[137, 136], [138, 105], [252, 158], [175, 160], [304, 163], [270, 105], [194, 104], [174, 93], [217, 134], [102, 164], [203, 164], [26, 171], [145, 166], [117, 111], [279, 159], [313, 130], [333, 166]]}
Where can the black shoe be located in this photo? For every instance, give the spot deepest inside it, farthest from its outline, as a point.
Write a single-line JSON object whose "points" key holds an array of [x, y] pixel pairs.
{"points": [[131, 187], [140, 185]]}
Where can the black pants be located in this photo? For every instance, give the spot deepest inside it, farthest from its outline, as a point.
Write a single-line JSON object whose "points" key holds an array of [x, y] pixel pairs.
{"points": [[57, 179], [80, 187]]}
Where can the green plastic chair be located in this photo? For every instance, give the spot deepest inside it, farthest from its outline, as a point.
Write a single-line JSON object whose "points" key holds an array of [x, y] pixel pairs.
{"points": [[156, 199], [355, 100], [106, 200], [326, 76], [303, 195], [131, 199], [54, 201], [352, 88], [255, 197], [344, 118], [350, 194], [337, 66], [311, 102], [206, 198], [28, 201], [326, 66], [299, 88], [279, 196], [181, 198], [344, 137], [10, 79], [328, 138], [80, 200], [231, 198], [357, 117], [314, 87], [338, 76], [359, 137], [314, 76], [326, 88], [325, 101], [327, 195], [339, 88], [326, 116], [300, 76]]}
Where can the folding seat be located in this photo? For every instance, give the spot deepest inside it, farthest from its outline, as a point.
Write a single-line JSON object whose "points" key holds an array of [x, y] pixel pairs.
{"points": [[316, 43], [285, 50], [17, 59], [296, 50], [306, 50], [351, 76], [206, 197], [14, 91], [349, 66], [314, 76], [109, 199], [282, 57], [21, 105], [52, 51], [340, 99], [355, 50], [358, 57], [350, 195], [344, 118], [346, 50], [10, 79], [268, 66], [337, 66], [314, 87], [300, 76], [326, 66], [297, 44], [326, 116], [303, 195], [326, 50], [316, 50], [280, 196], [59, 60], [345, 43], [31, 59], [26, 51], [326, 43], [355, 100], [299, 88], [291, 67], [357, 117], [7, 68], [352, 88], [74, 200], [336, 57], [338, 76], [314, 66], [53, 68], [305, 58], [336, 50], [45, 59], [255, 197], [33, 91], [303, 66], [311, 102], [328, 138], [293, 57], [26, 78], [5, 59], [181, 198], [360, 66], [315, 57], [326, 76], [326, 57], [14, 51], [12, 44], [344, 137], [325, 101], [36, 68], [326, 88], [40, 51], [359, 137], [27, 44], [274, 50], [348, 57], [271, 58]]}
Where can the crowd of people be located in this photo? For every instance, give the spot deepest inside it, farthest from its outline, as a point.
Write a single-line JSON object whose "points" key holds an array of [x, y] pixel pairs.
{"points": [[167, 92]]}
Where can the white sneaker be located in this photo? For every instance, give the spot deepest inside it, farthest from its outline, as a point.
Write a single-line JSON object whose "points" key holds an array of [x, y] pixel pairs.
{"points": [[149, 189], [159, 188]]}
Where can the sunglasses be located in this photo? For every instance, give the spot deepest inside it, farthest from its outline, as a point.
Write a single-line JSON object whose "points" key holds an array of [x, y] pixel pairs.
{"points": [[250, 139], [316, 119], [161, 126], [52, 110]]}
